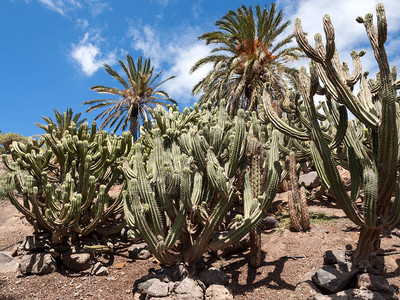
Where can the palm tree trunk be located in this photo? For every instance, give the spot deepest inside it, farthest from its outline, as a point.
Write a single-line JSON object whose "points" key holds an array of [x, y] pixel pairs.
{"points": [[133, 121]]}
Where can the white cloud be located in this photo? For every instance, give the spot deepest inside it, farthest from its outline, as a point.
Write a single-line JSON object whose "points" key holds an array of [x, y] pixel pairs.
{"points": [[183, 60], [147, 41], [349, 35], [98, 6], [61, 6], [197, 9], [88, 56], [175, 54], [82, 24]]}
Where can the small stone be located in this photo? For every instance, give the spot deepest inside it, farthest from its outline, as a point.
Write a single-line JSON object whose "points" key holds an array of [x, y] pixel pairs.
{"points": [[111, 278], [213, 276], [310, 180], [158, 289], [332, 257], [142, 287], [351, 294], [376, 283], [139, 251], [76, 261], [268, 223], [218, 292], [99, 270], [191, 288], [37, 263]]}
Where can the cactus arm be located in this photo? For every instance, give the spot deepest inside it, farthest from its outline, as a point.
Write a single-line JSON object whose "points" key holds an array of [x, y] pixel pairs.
{"points": [[148, 196], [7, 163], [388, 138], [303, 42], [128, 212], [206, 234], [237, 233], [370, 184], [394, 216], [166, 202], [50, 199], [197, 187], [281, 125], [217, 178], [272, 181], [247, 196], [273, 172], [328, 162], [341, 129], [176, 228], [36, 210], [355, 174], [144, 228], [9, 188], [185, 188], [101, 202], [239, 144]]}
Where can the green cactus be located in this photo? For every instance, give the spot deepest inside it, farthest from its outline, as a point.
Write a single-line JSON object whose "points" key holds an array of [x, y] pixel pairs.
{"points": [[65, 180], [297, 201], [179, 198], [367, 147]]}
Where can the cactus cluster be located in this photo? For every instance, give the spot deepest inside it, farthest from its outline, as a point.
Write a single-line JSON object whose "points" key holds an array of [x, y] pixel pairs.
{"points": [[179, 195], [367, 146], [65, 178]]}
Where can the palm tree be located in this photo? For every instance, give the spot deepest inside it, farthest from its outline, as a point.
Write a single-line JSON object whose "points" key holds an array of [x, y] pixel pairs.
{"points": [[139, 94], [247, 58]]}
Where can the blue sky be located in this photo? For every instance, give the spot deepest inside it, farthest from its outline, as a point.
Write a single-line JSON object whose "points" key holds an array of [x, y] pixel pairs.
{"points": [[53, 51]]}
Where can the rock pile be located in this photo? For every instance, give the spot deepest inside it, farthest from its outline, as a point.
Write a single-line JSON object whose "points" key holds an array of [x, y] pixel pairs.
{"points": [[37, 255], [339, 279], [171, 283]]}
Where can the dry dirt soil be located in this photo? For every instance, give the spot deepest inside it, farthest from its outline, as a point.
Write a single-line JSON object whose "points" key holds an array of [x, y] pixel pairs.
{"points": [[275, 279]]}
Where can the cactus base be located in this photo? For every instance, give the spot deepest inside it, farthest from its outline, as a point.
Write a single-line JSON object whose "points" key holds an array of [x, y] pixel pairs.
{"points": [[365, 255]]}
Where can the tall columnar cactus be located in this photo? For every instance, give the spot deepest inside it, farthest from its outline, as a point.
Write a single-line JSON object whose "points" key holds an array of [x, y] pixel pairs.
{"points": [[178, 199], [65, 181], [297, 201], [374, 165]]}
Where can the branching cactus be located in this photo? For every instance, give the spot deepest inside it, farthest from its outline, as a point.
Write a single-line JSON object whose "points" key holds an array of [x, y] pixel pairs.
{"points": [[65, 181], [178, 199], [373, 165]]}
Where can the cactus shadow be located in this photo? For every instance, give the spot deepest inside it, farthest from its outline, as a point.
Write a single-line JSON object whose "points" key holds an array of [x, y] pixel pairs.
{"points": [[396, 272], [273, 280]]}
